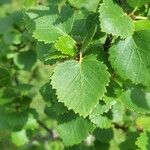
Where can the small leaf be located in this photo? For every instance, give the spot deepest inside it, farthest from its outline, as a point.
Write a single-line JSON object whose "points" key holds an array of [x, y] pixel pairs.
{"points": [[48, 93], [129, 141], [136, 99], [5, 24], [143, 122], [9, 119], [12, 38], [28, 3], [97, 115], [50, 98], [4, 77], [114, 21], [31, 123], [101, 109], [136, 52], [25, 60], [48, 54], [75, 131], [143, 142], [118, 113], [142, 25], [24, 88], [91, 25], [104, 135], [66, 45], [47, 24], [101, 121], [86, 4], [19, 138], [137, 3]]}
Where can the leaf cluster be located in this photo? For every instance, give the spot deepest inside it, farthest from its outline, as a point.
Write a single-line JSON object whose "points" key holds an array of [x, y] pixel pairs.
{"points": [[75, 74]]}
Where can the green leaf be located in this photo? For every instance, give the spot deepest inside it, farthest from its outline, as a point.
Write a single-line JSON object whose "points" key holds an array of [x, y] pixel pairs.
{"points": [[19, 138], [12, 38], [91, 25], [104, 135], [136, 53], [86, 4], [114, 21], [4, 77], [143, 122], [118, 113], [31, 124], [47, 24], [80, 85], [56, 144], [9, 119], [96, 51], [97, 114], [48, 93], [25, 60], [79, 27], [60, 113], [117, 140], [58, 108], [75, 131], [29, 3], [137, 3], [101, 109], [143, 142], [5, 24], [101, 121], [128, 142], [44, 50], [50, 97], [66, 45], [142, 25], [48, 54], [136, 99], [24, 88], [53, 58]]}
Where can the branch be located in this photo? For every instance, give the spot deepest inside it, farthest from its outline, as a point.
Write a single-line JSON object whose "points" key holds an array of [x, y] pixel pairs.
{"points": [[51, 133], [108, 41], [122, 127]]}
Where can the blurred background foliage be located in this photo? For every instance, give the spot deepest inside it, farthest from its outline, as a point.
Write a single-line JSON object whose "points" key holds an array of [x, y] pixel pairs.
{"points": [[21, 104]]}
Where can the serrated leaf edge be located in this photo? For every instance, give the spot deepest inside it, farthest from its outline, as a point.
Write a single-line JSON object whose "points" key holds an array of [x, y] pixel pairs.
{"points": [[113, 34], [60, 49], [105, 91]]}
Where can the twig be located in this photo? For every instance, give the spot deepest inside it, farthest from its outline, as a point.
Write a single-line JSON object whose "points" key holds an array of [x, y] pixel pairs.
{"points": [[80, 57], [122, 127], [132, 13], [51, 133], [140, 18], [45, 127], [108, 42]]}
